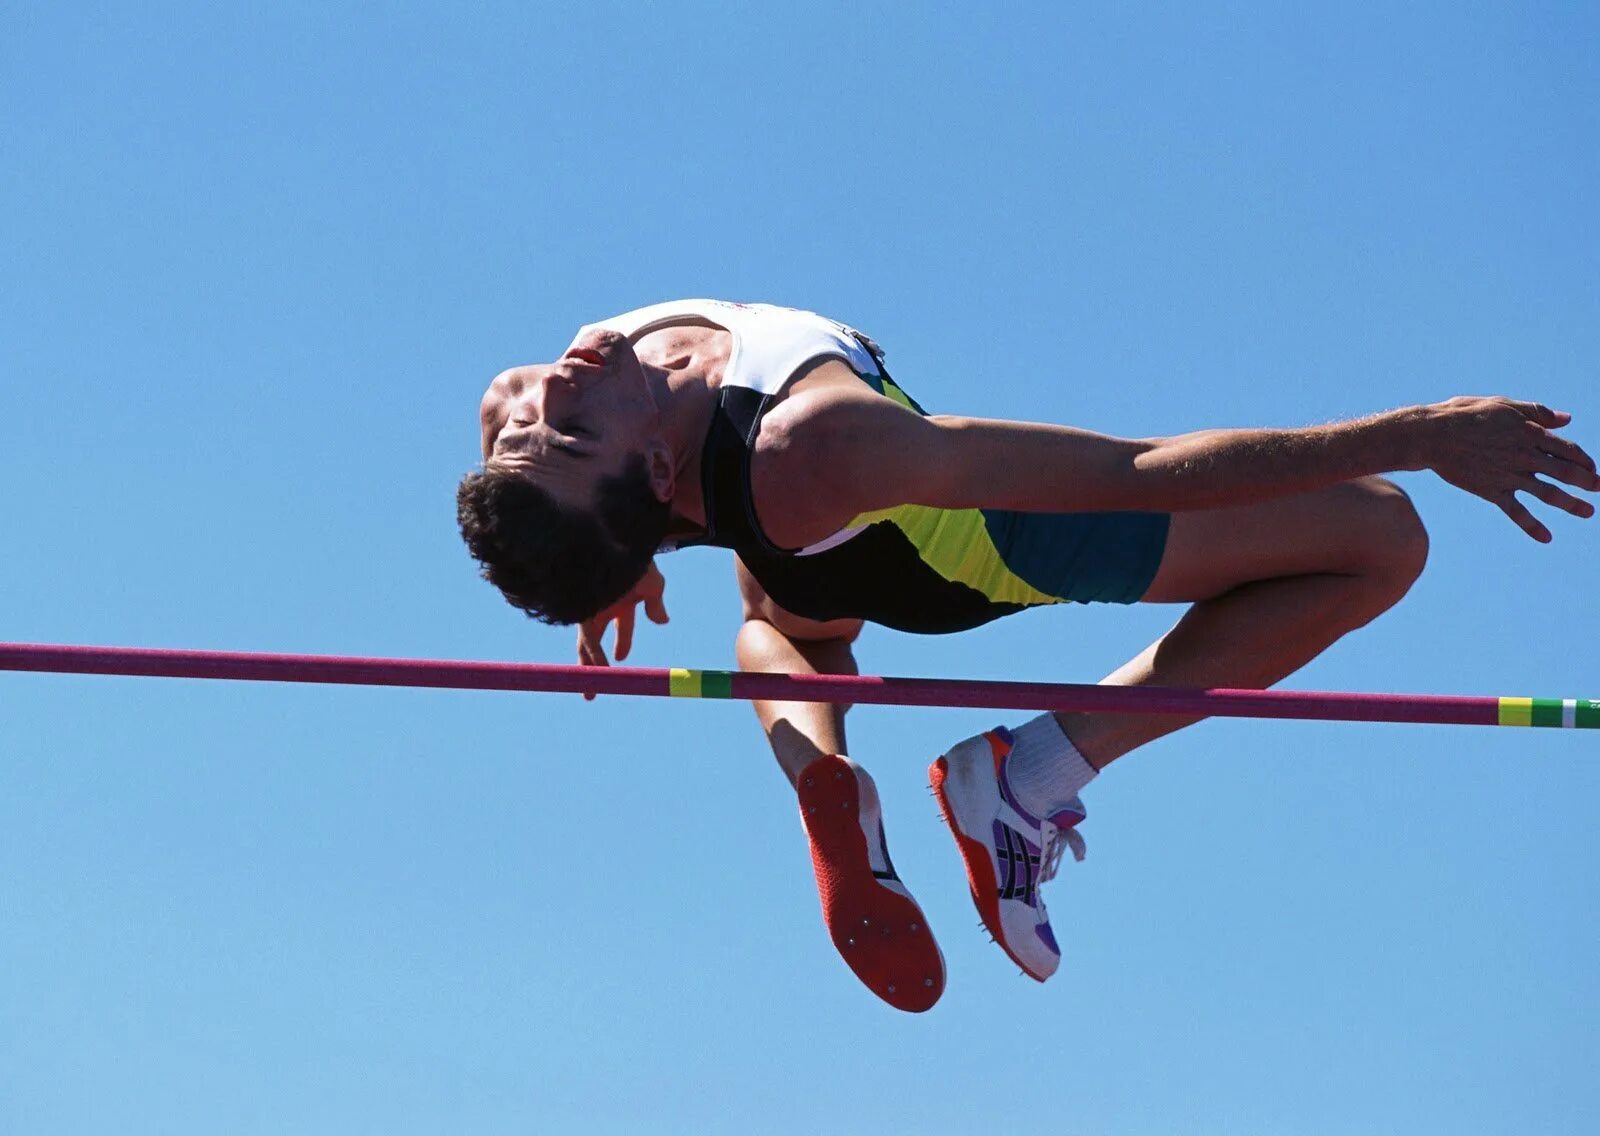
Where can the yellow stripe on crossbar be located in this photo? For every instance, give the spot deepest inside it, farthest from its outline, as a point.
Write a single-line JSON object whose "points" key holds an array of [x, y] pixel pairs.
{"points": [[1516, 711], [684, 684]]}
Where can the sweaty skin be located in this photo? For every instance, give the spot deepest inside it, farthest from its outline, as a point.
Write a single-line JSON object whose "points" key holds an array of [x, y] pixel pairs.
{"points": [[1281, 540]]}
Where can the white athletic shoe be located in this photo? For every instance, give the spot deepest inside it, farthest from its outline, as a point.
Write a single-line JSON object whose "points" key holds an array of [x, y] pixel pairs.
{"points": [[1007, 850]]}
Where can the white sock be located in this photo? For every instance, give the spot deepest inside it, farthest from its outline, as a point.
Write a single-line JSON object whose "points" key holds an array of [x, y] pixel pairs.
{"points": [[1045, 770]]}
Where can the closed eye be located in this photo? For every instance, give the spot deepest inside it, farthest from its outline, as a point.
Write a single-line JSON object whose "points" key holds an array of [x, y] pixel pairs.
{"points": [[516, 441]]}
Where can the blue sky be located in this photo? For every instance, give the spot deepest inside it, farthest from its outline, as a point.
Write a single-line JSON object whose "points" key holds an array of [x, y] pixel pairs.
{"points": [[260, 263]]}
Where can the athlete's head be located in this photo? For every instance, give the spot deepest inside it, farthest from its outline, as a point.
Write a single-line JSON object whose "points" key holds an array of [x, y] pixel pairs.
{"points": [[574, 496]]}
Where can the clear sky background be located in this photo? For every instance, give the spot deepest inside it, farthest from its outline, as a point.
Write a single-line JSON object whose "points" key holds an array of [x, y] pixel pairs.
{"points": [[258, 263]]}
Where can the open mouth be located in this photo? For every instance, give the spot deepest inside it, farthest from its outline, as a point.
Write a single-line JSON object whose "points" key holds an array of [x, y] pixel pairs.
{"points": [[586, 355]]}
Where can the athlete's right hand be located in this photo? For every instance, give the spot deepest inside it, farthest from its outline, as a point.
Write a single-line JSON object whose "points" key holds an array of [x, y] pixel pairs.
{"points": [[648, 591], [1496, 448]]}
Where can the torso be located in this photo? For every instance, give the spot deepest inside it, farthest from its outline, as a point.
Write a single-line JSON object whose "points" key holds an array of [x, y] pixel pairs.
{"points": [[912, 567], [695, 347]]}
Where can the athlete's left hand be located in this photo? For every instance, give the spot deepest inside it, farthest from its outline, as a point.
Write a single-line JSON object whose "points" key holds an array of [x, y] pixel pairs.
{"points": [[648, 591], [1496, 448]]}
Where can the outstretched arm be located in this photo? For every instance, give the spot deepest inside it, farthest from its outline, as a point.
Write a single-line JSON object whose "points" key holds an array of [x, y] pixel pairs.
{"points": [[870, 453]]}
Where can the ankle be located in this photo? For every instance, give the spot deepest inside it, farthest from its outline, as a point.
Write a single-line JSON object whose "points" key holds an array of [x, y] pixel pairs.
{"points": [[1094, 736], [1045, 770]]}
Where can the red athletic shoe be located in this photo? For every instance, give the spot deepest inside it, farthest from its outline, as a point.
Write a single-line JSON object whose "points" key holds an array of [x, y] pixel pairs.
{"points": [[874, 922]]}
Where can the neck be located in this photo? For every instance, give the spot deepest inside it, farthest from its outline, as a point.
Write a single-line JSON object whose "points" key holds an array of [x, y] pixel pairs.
{"points": [[684, 364], [687, 398]]}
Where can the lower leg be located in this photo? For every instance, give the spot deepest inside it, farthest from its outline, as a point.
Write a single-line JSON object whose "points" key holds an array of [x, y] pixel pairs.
{"points": [[799, 732], [875, 924], [1277, 583], [1249, 637]]}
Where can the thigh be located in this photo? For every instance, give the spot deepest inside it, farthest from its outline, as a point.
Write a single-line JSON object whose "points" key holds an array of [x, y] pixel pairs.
{"points": [[1344, 528]]}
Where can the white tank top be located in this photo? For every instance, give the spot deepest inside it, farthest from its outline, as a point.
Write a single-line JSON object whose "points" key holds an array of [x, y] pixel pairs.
{"points": [[770, 344]]}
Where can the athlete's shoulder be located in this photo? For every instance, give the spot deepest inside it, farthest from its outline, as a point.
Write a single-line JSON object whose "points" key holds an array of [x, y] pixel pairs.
{"points": [[819, 408], [835, 444]]}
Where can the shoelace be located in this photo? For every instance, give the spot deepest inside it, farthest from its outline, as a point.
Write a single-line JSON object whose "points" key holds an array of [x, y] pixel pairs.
{"points": [[1055, 840]]}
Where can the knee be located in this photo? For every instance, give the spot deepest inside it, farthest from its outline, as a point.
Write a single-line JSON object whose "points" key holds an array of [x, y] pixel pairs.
{"points": [[1398, 541], [759, 646]]}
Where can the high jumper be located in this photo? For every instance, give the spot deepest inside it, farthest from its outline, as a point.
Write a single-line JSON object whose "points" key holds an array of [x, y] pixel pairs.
{"points": [[779, 434]]}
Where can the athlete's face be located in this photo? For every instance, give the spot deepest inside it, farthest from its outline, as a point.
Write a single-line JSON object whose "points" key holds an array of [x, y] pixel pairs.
{"points": [[568, 424]]}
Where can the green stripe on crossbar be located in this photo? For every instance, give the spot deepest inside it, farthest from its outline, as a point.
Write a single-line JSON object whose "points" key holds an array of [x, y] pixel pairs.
{"points": [[700, 684], [1583, 714], [1546, 712]]}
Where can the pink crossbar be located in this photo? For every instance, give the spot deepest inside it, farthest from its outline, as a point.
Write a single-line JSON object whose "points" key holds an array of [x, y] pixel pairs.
{"points": [[556, 678]]}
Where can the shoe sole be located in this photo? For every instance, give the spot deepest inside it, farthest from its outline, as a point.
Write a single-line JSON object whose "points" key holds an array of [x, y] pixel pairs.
{"points": [[979, 863], [881, 934]]}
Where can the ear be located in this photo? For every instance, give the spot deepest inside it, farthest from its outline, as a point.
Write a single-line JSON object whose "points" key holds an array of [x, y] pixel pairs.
{"points": [[663, 475]]}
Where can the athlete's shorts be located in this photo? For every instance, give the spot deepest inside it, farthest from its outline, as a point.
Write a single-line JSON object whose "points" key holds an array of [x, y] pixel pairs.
{"points": [[1081, 557], [934, 571]]}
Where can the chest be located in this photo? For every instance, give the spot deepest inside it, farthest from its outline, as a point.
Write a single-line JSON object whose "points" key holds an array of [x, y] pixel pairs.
{"points": [[695, 349]]}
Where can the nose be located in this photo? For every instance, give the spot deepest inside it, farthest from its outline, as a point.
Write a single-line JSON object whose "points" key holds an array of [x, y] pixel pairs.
{"points": [[543, 398]]}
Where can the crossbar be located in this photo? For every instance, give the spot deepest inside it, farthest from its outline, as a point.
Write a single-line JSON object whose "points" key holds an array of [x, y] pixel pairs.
{"points": [[245, 666]]}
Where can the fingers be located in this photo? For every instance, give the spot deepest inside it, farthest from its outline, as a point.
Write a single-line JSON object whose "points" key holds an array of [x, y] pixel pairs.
{"points": [[1562, 447], [1582, 468], [1538, 412], [655, 603], [625, 632], [590, 651], [1523, 519], [1564, 470], [1557, 497]]}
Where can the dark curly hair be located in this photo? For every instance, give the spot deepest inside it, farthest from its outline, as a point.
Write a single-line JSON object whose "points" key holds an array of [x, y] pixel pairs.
{"points": [[557, 564]]}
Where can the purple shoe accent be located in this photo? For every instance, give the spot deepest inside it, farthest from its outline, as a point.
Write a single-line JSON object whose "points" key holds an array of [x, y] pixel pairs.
{"points": [[1048, 937], [1004, 833], [1005, 840], [1069, 818], [1017, 861]]}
